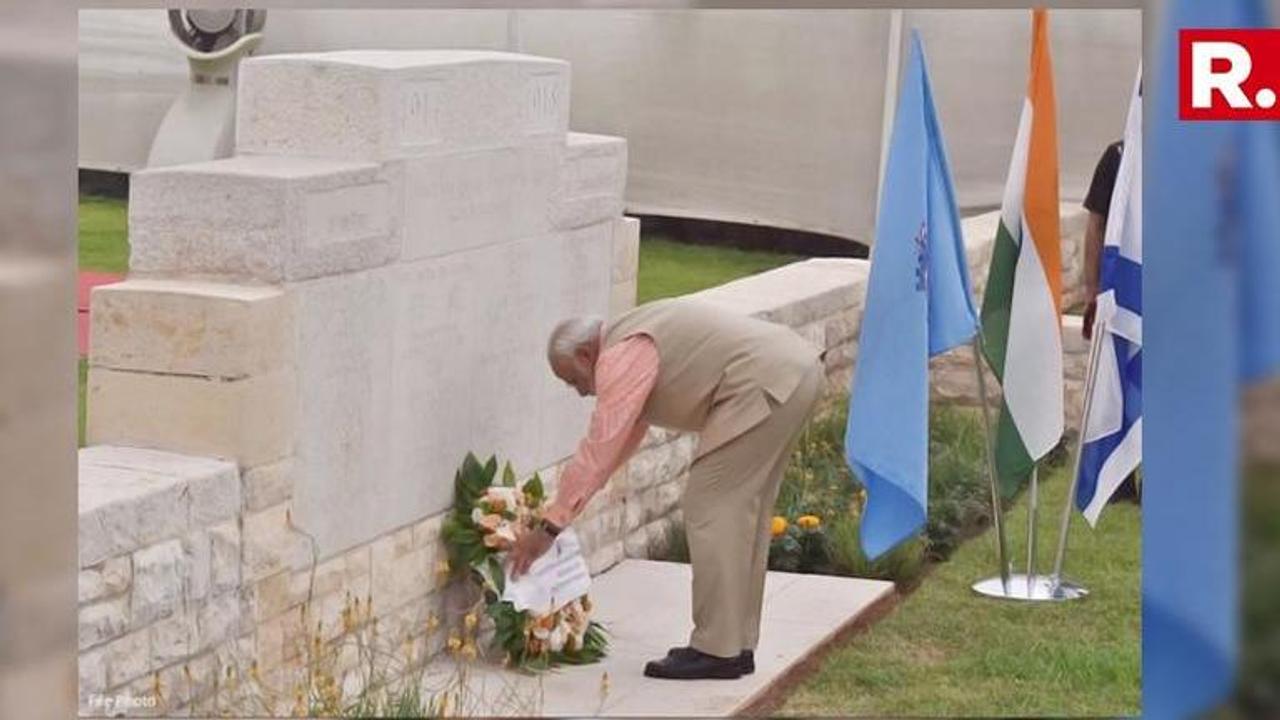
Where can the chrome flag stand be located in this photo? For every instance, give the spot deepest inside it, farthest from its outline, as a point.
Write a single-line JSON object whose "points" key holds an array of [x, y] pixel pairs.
{"points": [[1060, 587], [1028, 586]]}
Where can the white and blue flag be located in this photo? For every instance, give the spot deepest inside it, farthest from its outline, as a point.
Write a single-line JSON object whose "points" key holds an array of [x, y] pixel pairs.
{"points": [[918, 305], [1113, 432]]}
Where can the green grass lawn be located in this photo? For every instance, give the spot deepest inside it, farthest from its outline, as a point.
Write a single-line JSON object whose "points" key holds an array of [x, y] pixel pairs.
{"points": [[104, 246], [103, 227], [947, 651], [669, 268]]}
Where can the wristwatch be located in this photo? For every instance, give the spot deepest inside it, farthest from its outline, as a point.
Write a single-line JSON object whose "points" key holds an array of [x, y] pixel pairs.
{"points": [[549, 527]]}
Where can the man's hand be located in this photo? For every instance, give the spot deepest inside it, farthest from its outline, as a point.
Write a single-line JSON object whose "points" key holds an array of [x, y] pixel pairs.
{"points": [[529, 547]]}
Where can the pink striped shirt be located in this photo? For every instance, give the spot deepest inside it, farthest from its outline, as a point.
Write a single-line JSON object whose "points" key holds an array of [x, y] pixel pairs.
{"points": [[625, 374]]}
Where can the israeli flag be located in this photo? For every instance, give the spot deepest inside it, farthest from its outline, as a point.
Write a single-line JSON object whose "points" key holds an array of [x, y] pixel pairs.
{"points": [[1113, 431]]}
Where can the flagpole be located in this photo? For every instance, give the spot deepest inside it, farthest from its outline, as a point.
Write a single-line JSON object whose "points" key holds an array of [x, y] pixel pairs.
{"points": [[1091, 378], [1033, 502], [997, 514]]}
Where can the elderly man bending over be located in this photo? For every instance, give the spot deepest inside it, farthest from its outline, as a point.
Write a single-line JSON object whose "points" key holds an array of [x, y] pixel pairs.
{"points": [[746, 387]]}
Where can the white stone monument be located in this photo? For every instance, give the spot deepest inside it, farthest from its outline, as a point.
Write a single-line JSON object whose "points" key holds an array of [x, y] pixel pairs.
{"points": [[363, 293]]}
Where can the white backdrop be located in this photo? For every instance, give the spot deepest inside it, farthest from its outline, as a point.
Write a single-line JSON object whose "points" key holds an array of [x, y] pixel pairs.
{"points": [[765, 116]]}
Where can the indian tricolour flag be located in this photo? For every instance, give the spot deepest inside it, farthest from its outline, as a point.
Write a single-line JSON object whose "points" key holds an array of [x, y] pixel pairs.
{"points": [[1021, 327]]}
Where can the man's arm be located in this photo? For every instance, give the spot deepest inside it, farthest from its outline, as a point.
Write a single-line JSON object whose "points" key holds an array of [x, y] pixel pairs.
{"points": [[625, 375]]}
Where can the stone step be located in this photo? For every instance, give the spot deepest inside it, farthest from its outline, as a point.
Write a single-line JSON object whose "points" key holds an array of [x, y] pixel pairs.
{"points": [[645, 606]]}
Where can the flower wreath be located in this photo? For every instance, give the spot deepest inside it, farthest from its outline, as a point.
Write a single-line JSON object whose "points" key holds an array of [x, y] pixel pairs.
{"points": [[487, 518]]}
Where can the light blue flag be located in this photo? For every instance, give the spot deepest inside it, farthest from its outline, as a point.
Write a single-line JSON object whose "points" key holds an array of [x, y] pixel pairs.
{"points": [[918, 305], [1212, 321]]}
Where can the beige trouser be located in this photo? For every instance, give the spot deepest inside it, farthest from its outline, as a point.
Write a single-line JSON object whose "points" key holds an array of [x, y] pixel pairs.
{"points": [[728, 510]]}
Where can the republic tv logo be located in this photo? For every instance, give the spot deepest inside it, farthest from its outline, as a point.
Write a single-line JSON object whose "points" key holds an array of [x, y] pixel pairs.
{"points": [[1228, 74]]}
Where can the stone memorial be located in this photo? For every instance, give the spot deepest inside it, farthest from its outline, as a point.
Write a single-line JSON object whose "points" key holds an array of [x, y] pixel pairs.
{"points": [[363, 293]]}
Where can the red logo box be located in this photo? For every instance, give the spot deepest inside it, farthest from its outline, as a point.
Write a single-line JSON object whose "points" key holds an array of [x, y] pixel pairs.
{"points": [[1229, 74]]}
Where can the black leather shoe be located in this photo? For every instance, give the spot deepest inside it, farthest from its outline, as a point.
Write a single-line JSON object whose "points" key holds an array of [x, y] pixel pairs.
{"points": [[746, 659], [690, 664]]}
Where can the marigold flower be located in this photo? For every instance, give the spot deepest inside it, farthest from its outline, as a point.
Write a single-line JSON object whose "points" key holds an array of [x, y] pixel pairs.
{"points": [[470, 621], [809, 522], [778, 526], [455, 643]]}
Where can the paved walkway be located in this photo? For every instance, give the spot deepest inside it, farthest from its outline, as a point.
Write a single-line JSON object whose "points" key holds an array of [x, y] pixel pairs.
{"points": [[645, 605]]}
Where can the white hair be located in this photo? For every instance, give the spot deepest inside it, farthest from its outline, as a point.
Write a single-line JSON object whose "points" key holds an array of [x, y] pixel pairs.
{"points": [[571, 334]]}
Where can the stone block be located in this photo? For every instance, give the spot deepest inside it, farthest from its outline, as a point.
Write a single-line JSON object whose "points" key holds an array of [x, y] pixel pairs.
{"points": [[427, 533], [172, 639], [1073, 221], [218, 620], [103, 621], [636, 544], [159, 574], [622, 297], [128, 657], [92, 667], [123, 509], [843, 328], [1073, 342], [188, 327], [106, 579], [345, 573], [841, 356], [399, 578], [645, 506], [248, 420], [591, 184], [198, 562], [273, 595], [188, 681], [270, 543], [601, 528], [626, 249], [267, 485], [224, 555], [795, 294], [814, 332], [383, 104], [215, 498], [269, 219], [606, 557], [469, 200]]}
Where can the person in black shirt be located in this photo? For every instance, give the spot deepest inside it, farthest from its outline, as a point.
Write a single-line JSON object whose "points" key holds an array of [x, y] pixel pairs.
{"points": [[1098, 203]]}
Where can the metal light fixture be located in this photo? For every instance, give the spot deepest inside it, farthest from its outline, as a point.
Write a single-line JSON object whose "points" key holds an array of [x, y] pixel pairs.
{"points": [[200, 125]]}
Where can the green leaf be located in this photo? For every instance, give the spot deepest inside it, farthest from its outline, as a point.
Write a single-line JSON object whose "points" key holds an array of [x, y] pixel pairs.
{"points": [[496, 572], [534, 492], [508, 476]]}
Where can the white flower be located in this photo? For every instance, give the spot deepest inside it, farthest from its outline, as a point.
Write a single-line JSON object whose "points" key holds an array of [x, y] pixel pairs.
{"points": [[506, 532], [559, 634], [476, 514]]}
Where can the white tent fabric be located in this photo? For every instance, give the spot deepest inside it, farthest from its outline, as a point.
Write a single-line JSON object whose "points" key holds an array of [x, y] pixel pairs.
{"points": [[761, 116]]}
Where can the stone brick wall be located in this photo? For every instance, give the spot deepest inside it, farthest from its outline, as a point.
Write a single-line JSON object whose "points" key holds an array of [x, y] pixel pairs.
{"points": [[189, 567]]}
